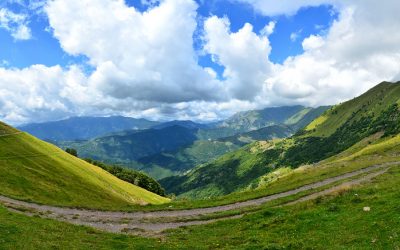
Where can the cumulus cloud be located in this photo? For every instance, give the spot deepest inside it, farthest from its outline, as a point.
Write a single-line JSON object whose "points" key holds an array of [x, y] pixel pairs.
{"points": [[244, 55], [144, 56], [16, 24], [360, 50], [34, 93], [145, 64]]}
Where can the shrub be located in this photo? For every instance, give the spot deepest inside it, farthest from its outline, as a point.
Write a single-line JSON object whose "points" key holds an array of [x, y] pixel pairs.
{"points": [[72, 151]]}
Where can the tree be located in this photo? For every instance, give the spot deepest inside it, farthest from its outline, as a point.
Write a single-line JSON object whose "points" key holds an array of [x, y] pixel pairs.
{"points": [[72, 151]]}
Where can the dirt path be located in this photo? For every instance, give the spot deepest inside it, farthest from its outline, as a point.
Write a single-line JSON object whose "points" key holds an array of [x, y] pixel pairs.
{"points": [[133, 222]]}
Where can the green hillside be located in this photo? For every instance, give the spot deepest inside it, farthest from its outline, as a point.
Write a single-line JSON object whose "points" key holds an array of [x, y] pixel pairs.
{"points": [[166, 164], [371, 104], [36, 171], [336, 130], [176, 162], [299, 226], [128, 146], [296, 117], [172, 148]]}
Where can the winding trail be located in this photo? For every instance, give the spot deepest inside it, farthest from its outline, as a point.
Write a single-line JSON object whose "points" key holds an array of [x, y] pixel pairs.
{"points": [[132, 222]]}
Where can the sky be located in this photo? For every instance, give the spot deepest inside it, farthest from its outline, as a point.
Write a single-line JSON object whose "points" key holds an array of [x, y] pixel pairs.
{"points": [[202, 60]]}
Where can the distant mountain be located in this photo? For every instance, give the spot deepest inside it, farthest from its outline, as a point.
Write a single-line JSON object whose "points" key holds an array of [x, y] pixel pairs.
{"points": [[185, 124], [262, 134], [128, 146], [373, 116], [255, 119], [83, 128], [161, 152], [296, 117], [169, 163]]}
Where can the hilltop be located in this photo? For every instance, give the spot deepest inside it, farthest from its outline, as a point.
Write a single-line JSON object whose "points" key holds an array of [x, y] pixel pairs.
{"points": [[36, 171]]}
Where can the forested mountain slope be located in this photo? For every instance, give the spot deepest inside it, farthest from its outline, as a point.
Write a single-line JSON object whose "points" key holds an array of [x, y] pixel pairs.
{"points": [[339, 128]]}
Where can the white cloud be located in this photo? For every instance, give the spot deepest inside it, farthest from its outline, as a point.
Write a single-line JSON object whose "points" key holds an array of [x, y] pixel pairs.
{"points": [[356, 54], [144, 56], [244, 55], [16, 24], [313, 42], [145, 65], [295, 35], [268, 29], [32, 93]]}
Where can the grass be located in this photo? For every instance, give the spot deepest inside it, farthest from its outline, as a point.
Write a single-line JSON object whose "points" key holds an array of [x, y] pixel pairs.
{"points": [[372, 102], [332, 222], [336, 222], [314, 124], [373, 150], [33, 170]]}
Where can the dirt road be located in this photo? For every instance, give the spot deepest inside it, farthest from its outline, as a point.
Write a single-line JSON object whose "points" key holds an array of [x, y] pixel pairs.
{"points": [[134, 223]]}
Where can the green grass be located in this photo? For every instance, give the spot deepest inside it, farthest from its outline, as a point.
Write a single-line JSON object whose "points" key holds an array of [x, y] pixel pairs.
{"points": [[372, 103], [34, 170], [332, 222], [378, 151], [337, 222]]}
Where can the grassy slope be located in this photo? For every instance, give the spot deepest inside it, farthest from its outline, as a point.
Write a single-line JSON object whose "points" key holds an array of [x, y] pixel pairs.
{"points": [[36, 171], [335, 131], [229, 173], [372, 102], [203, 151], [172, 163], [333, 222]]}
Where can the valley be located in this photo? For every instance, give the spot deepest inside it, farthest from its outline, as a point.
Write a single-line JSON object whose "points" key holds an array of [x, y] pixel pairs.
{"points": [[175, 147], [200, 125], [302, 180]]}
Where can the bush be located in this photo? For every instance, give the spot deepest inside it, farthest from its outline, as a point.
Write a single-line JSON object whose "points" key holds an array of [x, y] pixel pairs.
{"points": [[72, 151], [129, 175]]}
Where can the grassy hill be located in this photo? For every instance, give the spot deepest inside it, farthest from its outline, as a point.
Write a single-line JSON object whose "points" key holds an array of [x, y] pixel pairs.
{"points": [[336, 130], [335, 221], [37, 171]]}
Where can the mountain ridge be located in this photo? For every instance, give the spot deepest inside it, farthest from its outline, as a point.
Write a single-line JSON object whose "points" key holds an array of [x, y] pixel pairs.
{"points": [[374, 111]]}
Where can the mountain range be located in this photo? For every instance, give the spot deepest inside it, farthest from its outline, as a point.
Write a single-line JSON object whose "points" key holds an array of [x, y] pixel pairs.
{"points": [[83, 128], [337, 129], [174, 147]]}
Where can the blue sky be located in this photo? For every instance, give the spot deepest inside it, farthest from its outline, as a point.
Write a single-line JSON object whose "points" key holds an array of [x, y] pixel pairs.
{"points": [[44, 49], [189, 59]]}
